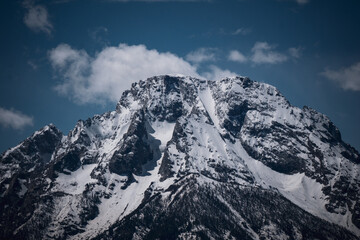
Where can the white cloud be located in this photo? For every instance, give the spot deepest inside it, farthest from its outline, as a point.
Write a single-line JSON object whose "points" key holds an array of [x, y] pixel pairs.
{"points": [[201, 55], [237, 56], [98, 35], [348, 78], [295, 52], [14, 119], [242, 31], [262, 52], [217, 73], [105, 76], [36, 18]]}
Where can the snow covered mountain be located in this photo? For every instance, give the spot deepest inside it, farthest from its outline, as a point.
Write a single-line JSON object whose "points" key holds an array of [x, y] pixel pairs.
{"points": [[183, 158]]}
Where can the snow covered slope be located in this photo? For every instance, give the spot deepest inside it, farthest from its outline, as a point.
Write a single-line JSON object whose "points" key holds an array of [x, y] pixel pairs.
{"points": [[184, 158]]}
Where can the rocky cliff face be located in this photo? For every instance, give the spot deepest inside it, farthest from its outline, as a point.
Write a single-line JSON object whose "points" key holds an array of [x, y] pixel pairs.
{"points": [[184, 158]]}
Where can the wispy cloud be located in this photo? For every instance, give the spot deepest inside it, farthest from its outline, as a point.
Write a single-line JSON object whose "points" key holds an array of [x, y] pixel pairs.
{"points": [[241, 31], [105, 76], [201, 55], [348, 78], [37, 17], [14, 119], [262, 52], [32, 64], [236, 56], [98, 35], [295, 52]]}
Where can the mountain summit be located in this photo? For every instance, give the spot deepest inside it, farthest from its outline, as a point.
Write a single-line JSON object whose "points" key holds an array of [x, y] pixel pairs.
{"points": [[184, 158]]}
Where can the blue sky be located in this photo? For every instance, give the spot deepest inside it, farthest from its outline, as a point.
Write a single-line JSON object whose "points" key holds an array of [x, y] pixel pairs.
{"points": [[65, 60]]}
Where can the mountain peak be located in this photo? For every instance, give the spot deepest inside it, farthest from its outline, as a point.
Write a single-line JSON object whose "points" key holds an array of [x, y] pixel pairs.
{"points": [[185, 153], [47, 128]]}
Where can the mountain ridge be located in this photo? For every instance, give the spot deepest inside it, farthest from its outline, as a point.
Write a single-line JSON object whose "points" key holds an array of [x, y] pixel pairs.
{"points": [[170, 135]]}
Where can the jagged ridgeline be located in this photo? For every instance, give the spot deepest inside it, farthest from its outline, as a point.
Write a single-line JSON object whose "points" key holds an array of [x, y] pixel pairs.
{"points": [[183, 158]]}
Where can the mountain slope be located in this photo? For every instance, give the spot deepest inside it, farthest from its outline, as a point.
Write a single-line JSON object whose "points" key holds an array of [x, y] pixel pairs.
{"points": [[186, 158]]}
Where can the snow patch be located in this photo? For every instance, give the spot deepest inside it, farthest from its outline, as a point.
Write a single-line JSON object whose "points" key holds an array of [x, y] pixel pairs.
{"points": [[124, 201], [298, 188], [210, 106], [163, 132], [75, 182]]}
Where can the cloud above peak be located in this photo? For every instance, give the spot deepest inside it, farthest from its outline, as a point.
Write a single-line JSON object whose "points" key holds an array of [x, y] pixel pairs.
{"points": [[37, 18], [237, 56], [216, 73], [201, 55], [103, 77], [262, 52]]}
